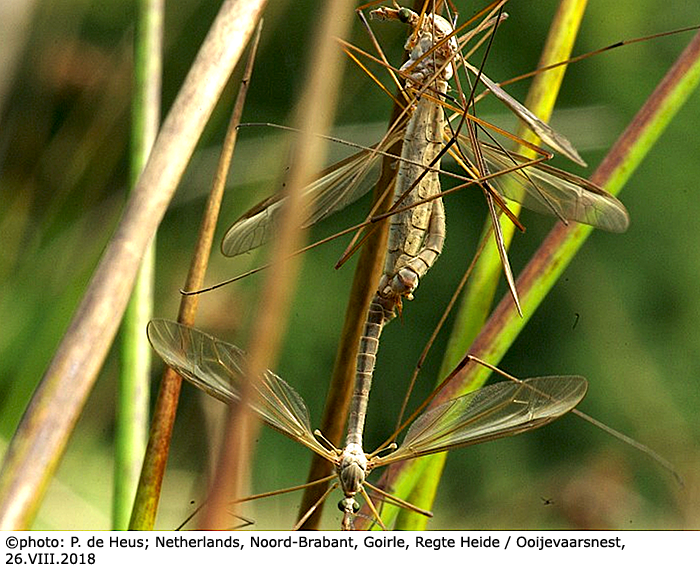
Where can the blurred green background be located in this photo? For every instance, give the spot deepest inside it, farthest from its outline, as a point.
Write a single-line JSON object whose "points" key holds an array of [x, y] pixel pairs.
{"points": [[625, 314]]}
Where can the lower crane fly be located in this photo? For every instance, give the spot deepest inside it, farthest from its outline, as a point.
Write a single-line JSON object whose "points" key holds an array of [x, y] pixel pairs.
{"points": [[502, 409]]}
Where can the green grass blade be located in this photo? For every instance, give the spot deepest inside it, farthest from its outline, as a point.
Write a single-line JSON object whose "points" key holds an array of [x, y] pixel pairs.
{"points": [[134, 382]]}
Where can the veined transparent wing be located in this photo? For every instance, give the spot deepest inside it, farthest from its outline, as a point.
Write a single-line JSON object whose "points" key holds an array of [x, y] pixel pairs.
{"points": [[552, 191], [334, 189], [498, 410], [218, 369]]}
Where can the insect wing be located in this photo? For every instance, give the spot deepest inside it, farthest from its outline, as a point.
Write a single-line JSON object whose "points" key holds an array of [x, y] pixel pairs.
{"points": [[218, 369], [552, 191], [336, 187], [503, 409]]}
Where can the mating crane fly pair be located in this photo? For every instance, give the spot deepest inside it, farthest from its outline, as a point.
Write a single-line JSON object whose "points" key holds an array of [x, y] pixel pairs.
{"points": [[417, 233]]}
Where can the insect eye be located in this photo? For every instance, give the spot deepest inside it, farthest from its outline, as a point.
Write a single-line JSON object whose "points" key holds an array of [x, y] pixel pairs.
{"points": [[343, 508], [404, 15]]}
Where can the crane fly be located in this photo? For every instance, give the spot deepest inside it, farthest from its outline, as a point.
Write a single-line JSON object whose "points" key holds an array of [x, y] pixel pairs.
{"points": [[417, 224], [502, 409]]}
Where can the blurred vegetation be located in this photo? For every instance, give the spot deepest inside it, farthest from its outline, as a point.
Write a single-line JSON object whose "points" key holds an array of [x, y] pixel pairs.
{"points": [[625, 315]]}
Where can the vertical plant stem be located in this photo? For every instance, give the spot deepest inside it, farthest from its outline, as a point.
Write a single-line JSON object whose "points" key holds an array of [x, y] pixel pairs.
{"points": [[134, 382], [146, 504]]}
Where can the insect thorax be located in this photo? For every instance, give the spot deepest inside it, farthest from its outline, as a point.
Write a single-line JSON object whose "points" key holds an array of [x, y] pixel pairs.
{"points": [[352, 469]]}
